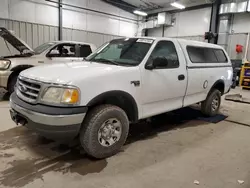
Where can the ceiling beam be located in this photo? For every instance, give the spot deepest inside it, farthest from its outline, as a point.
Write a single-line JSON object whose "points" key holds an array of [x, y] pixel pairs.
{"points": [[122, 5], [168, 9]]}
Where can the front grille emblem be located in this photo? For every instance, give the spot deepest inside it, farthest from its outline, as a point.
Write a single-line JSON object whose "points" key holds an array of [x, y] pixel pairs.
{"points": [[23, 89]]}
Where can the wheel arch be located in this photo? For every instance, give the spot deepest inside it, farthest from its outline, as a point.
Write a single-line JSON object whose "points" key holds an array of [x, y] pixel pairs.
{"points": [[121, 99], [220, 85], [17, 70]]}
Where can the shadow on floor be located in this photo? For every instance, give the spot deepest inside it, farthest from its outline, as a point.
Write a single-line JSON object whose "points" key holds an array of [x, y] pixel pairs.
{"points": [[61, 158]]}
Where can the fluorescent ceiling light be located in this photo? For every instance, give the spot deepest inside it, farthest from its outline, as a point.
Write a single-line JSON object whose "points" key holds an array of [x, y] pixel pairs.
{"points": [[178, 5], [141, 13]]}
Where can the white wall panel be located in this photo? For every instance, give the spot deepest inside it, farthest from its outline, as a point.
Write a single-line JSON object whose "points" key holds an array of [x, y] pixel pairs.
{"points": [[45, 14], [29, 40], [101, 24], [22, 10], [241, 23], [81, 3], [2, 23], [73, 19], [194, 22], [4, 13], [188, 23], [78, 35], [35, 35], [95, 38], [128, 29]]}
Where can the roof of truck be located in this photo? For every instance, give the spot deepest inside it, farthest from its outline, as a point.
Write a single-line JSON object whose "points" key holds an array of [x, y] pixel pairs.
{"points": [[74, 42], [185, 41]]}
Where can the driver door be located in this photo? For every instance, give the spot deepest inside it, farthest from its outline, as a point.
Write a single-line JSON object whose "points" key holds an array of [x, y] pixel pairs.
{"points": [[163, 88]]}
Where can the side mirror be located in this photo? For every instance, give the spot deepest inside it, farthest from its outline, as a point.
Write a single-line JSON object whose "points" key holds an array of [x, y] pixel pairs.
{"points": [[158, 62]]}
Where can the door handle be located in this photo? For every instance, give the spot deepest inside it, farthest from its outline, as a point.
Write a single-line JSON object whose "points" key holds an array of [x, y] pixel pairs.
{"points": [[181, 77]]}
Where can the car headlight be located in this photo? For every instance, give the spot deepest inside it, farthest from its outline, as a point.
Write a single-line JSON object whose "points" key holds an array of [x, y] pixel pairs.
{"points": [[59, 95], [4, 64]]}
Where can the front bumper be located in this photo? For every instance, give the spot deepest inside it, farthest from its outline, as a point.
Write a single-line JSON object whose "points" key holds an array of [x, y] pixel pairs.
{"points": [[51, 122], [4, 76]]}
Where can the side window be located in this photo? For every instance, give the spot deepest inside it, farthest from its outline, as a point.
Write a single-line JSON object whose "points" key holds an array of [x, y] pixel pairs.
{"points": [[220, 56], [63, 50], [201, 55], [196, 54], [83, 50], [210, 55], [166, 49]]}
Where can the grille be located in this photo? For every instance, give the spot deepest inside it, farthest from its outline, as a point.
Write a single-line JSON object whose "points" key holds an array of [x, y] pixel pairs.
{"points": [[28, 90]]}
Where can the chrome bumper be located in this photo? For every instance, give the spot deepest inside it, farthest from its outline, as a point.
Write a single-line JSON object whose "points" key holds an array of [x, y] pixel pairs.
{"points": [[4, 76], [53, 120]]}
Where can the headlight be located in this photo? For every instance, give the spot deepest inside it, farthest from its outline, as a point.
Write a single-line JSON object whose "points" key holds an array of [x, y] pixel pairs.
{"points": [[60, 95], [4, 64]]}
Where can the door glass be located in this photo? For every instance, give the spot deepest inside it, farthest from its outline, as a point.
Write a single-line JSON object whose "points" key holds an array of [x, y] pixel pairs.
{"points": [[63, 50], [83, 50], [167, 50]]}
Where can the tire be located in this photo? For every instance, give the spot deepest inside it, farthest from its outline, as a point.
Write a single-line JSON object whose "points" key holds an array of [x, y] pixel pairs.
{"points": [[12, 83], [207, 106], [90, 132]]}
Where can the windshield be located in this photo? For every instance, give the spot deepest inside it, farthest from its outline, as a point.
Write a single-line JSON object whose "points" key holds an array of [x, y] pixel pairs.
{"points": [[40, 49], [129, 51]]}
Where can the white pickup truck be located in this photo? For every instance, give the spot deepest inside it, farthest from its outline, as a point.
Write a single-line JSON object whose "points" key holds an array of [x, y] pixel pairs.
{"points": [[124, 81]]}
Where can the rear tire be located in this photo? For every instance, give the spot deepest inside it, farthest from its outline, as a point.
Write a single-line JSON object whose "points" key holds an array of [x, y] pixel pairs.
{"points": [[104, 131], [210, 107], [12, 83]]}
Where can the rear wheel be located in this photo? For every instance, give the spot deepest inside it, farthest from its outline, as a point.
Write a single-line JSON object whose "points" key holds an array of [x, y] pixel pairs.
{"points": [[104, 131], [12, 83], [210, 107]]}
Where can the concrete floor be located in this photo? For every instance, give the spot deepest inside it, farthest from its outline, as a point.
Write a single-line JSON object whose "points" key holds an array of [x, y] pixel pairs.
{"points": [[171, 151]]}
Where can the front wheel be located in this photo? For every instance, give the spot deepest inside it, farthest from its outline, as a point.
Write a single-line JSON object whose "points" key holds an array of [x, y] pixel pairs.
{"points": [[210, 107], [104, 131]]}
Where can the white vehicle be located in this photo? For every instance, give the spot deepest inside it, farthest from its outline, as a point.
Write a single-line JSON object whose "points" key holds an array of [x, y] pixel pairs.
{"points": [[124, 81], [57, 51]]}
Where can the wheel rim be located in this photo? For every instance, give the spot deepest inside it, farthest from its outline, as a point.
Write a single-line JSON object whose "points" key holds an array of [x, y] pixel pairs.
{"points": [[110, 132], [215, 103]]}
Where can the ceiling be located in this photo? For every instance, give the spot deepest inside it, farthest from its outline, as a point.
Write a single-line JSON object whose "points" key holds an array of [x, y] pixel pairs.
{"points": [[153, 6]]}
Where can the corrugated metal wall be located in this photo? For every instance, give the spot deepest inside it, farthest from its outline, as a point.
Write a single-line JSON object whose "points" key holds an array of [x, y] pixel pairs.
{"points": [[37, 34]]}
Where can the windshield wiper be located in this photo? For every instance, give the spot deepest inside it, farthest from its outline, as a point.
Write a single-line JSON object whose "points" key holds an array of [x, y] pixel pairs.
{"points": [[106, 61]]}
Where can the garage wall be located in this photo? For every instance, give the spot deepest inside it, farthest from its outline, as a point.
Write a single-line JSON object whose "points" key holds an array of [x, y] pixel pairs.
{"points": [[36, 21], [241, 23], [37, 34], [238, 35], [188, 24], [42, 12]]}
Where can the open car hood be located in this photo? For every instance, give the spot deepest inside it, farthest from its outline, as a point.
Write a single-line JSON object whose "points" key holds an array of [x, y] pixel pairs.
{"points": [[17, 43]]}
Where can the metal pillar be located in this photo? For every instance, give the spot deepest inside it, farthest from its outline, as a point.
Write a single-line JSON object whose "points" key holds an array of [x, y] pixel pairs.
{"points": [[60, 20], [214, 22]]}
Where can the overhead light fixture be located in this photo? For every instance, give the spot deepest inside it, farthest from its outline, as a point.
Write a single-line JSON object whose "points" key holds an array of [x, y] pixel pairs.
{"points": [[178, 5], [141, 13]]}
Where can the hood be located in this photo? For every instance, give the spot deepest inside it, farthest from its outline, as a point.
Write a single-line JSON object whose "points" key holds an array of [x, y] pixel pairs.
{"points": [[17, 43], [69, 73]]}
